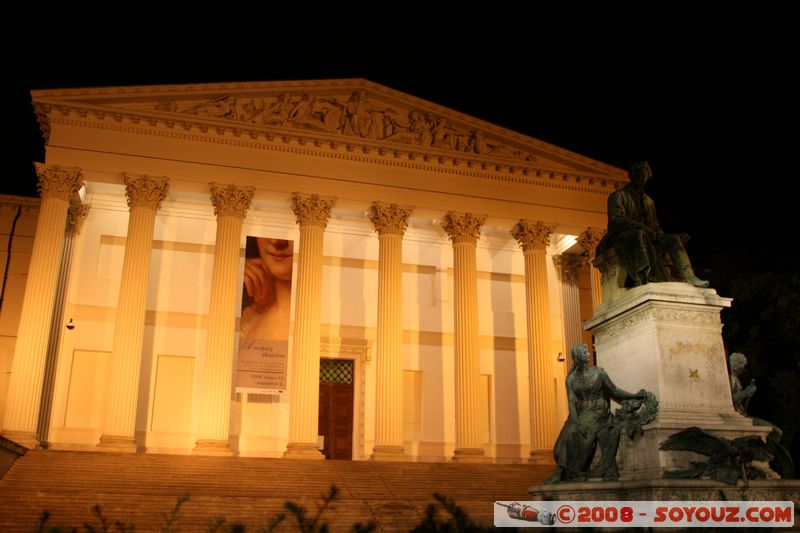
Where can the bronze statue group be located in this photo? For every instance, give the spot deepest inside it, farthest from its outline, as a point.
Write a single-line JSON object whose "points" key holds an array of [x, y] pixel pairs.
{"points": [[648, 255]]}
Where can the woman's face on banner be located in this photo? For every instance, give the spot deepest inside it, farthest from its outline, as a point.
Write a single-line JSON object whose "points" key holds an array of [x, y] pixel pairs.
{"points": [[277, 256]]}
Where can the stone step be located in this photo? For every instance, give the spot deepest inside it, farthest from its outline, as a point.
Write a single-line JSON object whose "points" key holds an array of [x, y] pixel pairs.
{"points": [[143, 488]]}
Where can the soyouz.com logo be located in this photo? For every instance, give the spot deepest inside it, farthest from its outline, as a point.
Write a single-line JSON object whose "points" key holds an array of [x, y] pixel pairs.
{"points": [[644, 514]]}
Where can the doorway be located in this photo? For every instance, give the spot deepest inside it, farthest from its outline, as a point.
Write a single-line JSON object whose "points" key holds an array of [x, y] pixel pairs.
{"points": [[336, 395]]}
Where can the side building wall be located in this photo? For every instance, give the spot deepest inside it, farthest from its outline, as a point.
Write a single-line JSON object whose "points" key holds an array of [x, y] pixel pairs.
{"points": [[17, 229]]}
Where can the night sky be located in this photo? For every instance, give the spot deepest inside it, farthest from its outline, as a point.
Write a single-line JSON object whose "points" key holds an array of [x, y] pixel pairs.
{"points": [[706, 92], [707, 99]]}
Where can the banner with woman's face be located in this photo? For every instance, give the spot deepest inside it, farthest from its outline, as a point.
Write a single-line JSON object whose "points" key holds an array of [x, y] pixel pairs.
{"points": [[266, 302]]}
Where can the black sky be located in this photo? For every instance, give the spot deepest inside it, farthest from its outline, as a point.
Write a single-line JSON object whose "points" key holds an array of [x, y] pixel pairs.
{"points": [[709, 99]]}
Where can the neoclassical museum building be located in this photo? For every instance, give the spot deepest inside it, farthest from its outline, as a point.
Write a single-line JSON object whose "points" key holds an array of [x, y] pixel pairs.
{"points": [[312, 269]]}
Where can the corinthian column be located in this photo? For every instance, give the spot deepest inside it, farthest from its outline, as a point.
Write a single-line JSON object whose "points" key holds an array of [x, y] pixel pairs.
{"points": [[589, 240], [230, 207], [390, 223], [312, 214], [76, 216], [145, 195], [569, 269], [56, 186], [464, 229], [534, 237]]}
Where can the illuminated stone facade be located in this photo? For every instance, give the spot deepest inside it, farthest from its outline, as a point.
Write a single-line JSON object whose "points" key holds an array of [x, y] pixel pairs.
{"points": [[425, 244]]}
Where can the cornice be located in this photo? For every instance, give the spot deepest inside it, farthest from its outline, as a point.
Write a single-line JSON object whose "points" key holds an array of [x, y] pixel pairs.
{"points": [[105, 108], [201, 88], [27, 201], [335, 149]]}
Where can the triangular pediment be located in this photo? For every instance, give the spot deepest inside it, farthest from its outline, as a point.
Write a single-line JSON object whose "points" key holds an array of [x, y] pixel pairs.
{"points": [[357, 113]]}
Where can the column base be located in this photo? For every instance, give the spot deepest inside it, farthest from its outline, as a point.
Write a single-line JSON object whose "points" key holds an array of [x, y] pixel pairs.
{"points": [[302, 450], [217, 448], [541, 457], [470, 455], [388, 453], [117, 444], [27, 439]]}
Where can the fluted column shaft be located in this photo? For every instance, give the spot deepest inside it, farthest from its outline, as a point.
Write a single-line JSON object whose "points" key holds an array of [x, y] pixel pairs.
{"points": [[597, 287], [589, 240], [145, 195], [56, 186], [534, 238], [569, 266], [464, 231], [76, 216], [312, 215], [230, 207], [390, 223]]}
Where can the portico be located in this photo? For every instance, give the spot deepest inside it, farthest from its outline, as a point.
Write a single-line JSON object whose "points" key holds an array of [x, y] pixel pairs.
{"points": [[423, 254]]}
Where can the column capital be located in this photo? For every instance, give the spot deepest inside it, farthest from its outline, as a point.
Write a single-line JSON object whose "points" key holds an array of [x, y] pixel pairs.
{"points": [[312, 209], [533, 235], [389, 218], [230, 200], [569, 266], [463, 227], [58, 182], [589, 239], [76, 216], [145, 191]]}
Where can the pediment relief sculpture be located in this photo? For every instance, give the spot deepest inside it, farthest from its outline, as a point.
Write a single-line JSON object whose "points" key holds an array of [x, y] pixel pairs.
{"points": [[355, 115]]}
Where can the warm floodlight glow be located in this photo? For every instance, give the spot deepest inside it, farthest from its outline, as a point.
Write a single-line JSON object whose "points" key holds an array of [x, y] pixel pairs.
{"points": [[561, 243], [569, 241]]}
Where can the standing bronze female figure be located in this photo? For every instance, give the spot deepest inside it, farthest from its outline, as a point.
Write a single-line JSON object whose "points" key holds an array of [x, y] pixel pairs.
{"points": [[590, 423]]}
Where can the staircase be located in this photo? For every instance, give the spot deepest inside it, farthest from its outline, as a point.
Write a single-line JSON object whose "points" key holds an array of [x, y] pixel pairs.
{"points": [[143, 488]]}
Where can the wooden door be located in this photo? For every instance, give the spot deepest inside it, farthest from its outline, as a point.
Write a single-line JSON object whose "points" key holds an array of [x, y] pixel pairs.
{"points": [[336, 395]]}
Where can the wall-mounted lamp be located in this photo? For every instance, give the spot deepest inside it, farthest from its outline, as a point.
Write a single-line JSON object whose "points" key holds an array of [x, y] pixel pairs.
{"points": [[561, 357], [70, 325]]}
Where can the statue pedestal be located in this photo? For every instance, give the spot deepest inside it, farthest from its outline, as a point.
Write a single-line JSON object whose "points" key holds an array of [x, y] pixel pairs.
{"points": [[671, 490], [666, 338]]}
